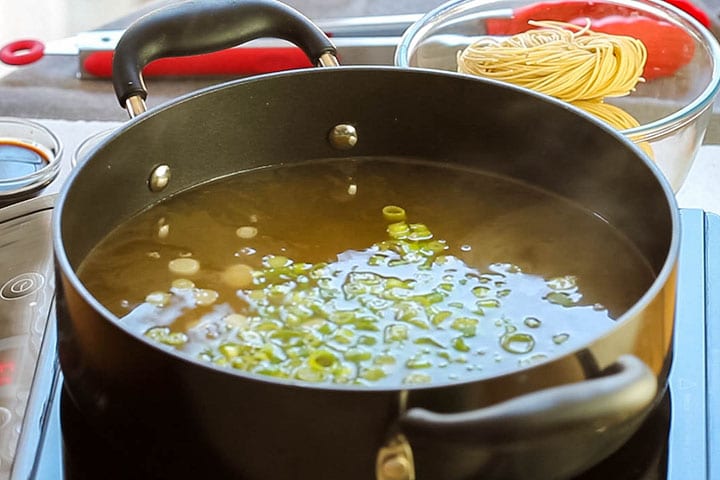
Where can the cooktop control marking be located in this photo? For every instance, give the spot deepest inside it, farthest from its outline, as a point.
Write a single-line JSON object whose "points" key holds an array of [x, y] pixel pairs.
{"points": [[22, 285]]}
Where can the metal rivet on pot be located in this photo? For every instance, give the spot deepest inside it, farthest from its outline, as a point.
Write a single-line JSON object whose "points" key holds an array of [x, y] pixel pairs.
{"points": [[395, 460], [159, 178], [396, 468], [343, 136]]}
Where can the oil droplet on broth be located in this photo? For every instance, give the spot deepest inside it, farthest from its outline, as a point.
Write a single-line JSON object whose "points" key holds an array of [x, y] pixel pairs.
{"points": [[532, 322], [184, 266], [205, 296], [246, 232], [517, 342], [532, 360], [183, 283]]}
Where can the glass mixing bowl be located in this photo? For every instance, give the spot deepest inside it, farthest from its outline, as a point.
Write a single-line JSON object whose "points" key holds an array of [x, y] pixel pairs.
{"points": [[682, 75]]}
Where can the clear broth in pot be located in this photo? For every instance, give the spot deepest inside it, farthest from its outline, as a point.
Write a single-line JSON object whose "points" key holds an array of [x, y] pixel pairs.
{"points": [[374, 272]]}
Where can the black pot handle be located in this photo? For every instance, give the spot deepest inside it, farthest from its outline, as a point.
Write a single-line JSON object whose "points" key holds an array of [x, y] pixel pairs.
{"points": [[625, 391], [201, 26]]}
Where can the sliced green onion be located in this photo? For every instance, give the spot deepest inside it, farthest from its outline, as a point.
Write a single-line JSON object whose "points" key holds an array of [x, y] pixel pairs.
{"points": [[418, 362], [393, 213], [373, 374], [460, 345], [417, 378], [396, 333], [560, 298], [367, 340], [481, 292], [488, 303], [166, 336], [566, 282], [428, 341], [398, 230], [322, 360], [366, 324], [357, 355], [467, 326], [230, 350], [517, 342], [384, 359], [440, 317], [310, 374]]}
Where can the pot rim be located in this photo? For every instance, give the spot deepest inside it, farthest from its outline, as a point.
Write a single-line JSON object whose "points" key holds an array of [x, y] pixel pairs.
{"points": [[69, 274]]}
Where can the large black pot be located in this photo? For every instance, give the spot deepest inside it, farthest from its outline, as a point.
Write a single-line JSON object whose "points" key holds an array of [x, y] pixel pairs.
{"points": [[184, 418]]}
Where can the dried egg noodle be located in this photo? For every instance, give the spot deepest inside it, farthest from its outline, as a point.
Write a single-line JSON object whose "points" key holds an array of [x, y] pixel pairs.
{"points": [[566, 61], [560, 59], [612, 115]]}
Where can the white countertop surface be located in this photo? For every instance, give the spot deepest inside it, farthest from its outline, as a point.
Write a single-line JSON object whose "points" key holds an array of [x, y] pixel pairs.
{"points": [[702, 186]]}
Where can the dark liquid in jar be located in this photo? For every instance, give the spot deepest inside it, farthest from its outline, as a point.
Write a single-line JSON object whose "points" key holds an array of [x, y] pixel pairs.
{"points": [[19, 159]]}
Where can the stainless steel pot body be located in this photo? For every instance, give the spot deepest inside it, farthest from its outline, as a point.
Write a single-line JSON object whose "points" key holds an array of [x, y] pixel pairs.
{"points": [[183, 418]]}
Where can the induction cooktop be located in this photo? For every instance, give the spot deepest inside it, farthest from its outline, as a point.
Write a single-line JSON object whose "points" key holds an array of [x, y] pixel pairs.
{"points": [[43, 436]]}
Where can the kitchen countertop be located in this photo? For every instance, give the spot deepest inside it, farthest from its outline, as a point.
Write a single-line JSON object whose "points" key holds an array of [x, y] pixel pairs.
{"points": [[50, 88], [50, 91], [700, 190]]}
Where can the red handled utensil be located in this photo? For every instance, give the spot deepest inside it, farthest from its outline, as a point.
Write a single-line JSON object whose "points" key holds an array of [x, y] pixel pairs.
{"points": [[22, 52], [360, 40]]}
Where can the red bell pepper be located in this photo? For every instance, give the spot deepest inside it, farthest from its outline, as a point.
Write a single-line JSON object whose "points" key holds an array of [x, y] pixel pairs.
{"points": [[669, 47]]}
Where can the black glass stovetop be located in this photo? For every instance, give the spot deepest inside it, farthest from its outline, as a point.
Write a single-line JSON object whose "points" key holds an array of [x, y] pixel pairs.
{"points": [[679, 441]]}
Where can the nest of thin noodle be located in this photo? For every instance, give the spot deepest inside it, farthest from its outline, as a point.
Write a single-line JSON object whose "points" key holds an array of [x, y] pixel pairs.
{"points": [[566, 61]]}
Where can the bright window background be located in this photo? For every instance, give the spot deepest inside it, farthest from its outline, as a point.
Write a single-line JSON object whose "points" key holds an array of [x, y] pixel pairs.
{"points": [[52, 19], [48, 20]]}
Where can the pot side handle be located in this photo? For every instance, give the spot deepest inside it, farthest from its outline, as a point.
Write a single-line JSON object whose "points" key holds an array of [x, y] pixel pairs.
{"points": [[202, 26], [627, 389]]}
